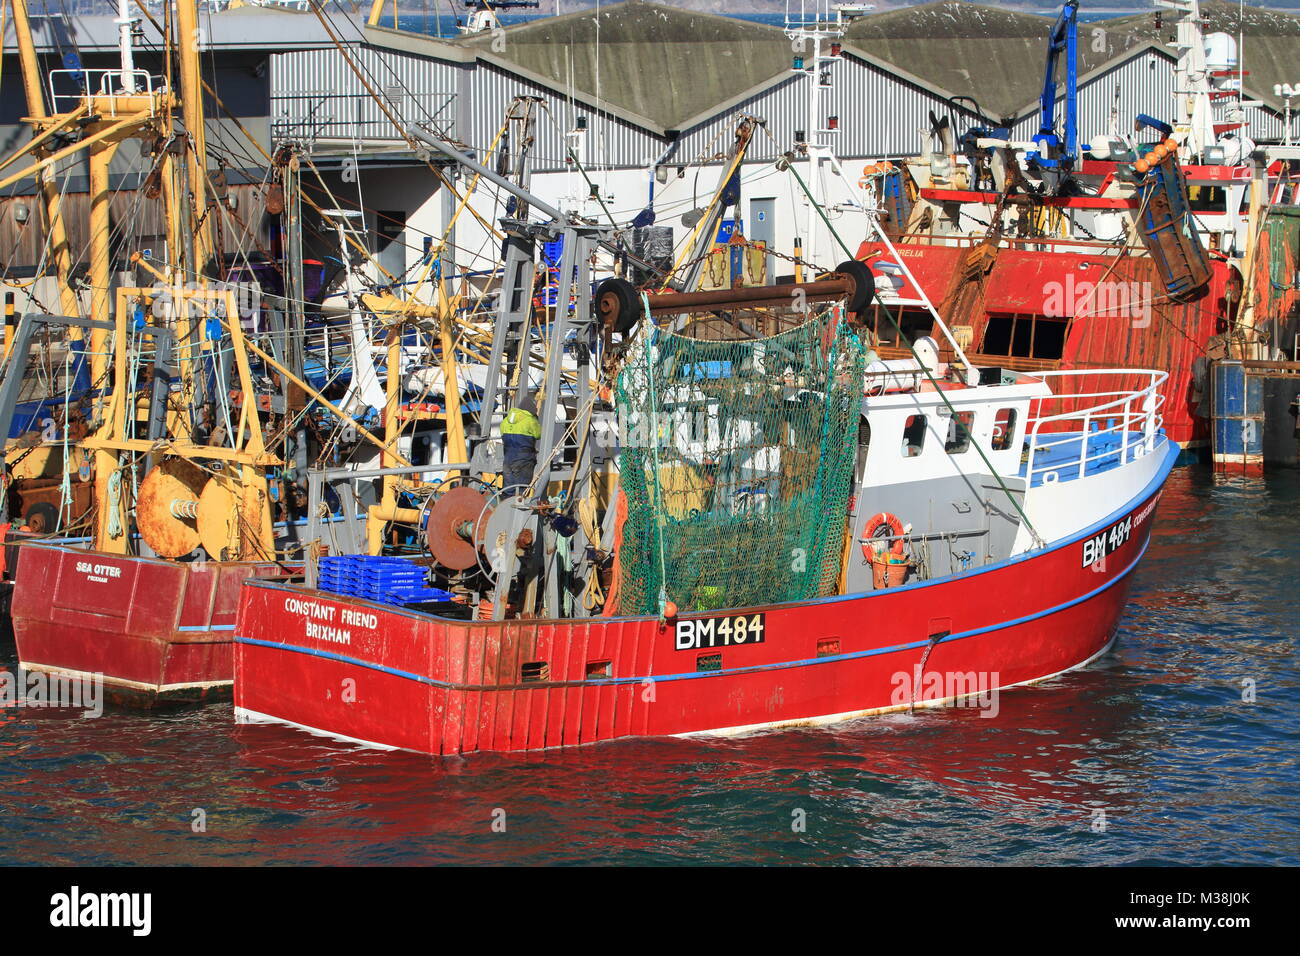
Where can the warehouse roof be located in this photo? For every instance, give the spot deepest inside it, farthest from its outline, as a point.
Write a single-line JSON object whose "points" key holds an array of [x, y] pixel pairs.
{"points": [[1270, 40], [666, 64], [996, 56]]}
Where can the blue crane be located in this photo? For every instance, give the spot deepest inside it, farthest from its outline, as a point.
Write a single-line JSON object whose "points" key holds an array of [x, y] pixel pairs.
{"points": [[1053, 151]]}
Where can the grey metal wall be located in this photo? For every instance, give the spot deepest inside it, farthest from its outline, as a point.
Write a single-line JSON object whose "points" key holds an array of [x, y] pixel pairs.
{"points": [[320, 91], [1146, 85], [880, 115], [1267, 125], [611, 141]]}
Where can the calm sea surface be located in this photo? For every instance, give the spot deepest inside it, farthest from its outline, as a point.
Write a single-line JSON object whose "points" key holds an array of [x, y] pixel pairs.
{"points": [[1156, 735]]}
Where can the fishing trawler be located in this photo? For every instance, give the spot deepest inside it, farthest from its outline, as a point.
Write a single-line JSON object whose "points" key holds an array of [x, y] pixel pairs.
{"points": [[1050, 254], [744, 518], [158, 434]]}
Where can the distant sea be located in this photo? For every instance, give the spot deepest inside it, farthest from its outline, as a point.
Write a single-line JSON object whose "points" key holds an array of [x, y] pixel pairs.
{"points": [[445, 25]]}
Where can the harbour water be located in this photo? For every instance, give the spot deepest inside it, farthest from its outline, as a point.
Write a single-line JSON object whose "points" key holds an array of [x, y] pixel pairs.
{"points": [[1150, 755]]}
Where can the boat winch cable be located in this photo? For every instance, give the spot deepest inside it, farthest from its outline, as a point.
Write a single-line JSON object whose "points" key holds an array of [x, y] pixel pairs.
{"points": [[648, 330], [1038, 540]]}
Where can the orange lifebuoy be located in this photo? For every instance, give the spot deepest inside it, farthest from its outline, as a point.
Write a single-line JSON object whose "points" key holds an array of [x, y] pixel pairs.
{"points": [[874, 525]]}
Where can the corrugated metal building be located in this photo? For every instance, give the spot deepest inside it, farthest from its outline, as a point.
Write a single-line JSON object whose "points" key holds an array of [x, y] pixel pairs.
{"points": [[650, 84], [645, 76]]}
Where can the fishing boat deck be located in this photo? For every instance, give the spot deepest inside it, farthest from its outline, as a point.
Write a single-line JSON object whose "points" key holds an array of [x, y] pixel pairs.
{"points": [[1065, 456]]}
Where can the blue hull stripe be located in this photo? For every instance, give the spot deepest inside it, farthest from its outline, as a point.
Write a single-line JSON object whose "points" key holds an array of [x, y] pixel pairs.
{"points": [[1153, 487], [781, 665]]}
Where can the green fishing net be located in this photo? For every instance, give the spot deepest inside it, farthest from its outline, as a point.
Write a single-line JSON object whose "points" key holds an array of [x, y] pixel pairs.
{"points": [[737, 463]]}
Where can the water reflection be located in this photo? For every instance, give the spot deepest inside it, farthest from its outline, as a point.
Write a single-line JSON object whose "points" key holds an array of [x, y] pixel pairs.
{"points": [[1154, 741]]}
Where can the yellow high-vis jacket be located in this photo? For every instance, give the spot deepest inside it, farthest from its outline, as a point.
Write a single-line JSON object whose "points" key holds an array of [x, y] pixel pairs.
{"points": [[520, 422]]}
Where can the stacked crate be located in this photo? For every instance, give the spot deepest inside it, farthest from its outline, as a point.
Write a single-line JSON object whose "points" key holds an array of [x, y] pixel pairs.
{"points": [[381, 579]]}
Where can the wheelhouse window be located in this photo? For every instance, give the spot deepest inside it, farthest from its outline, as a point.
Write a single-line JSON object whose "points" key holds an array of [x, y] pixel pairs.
{"points": [[1004, 429], [1025, 336], [913, 323], [913, 436], [959, 429]]}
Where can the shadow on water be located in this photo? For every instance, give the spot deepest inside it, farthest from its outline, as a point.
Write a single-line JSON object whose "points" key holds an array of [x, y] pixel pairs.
{"points": [[1150, 755]]}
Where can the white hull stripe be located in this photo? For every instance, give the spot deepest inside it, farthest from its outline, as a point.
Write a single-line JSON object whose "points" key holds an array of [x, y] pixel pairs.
{"points": [[246, 716], [122, 681]]}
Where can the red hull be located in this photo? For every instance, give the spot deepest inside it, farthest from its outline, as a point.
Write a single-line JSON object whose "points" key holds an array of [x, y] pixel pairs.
{"points": [[1170, 337], [155, 631], [401, 679]]}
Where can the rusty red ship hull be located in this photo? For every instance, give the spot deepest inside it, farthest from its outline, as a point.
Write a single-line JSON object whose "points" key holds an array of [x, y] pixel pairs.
{"points": [[155, 632], [1026, 291], [397, 678]]}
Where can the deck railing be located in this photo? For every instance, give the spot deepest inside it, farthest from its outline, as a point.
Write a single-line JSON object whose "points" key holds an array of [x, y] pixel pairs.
{"points": [[1131, 414], [310, 115], [112, 89]]}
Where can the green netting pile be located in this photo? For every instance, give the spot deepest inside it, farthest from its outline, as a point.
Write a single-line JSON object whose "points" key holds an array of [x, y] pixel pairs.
{"points": [[737, 463]]}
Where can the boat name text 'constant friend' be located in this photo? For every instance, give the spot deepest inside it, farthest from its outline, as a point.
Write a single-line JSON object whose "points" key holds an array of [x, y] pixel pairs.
{"points": [[322, 621]]}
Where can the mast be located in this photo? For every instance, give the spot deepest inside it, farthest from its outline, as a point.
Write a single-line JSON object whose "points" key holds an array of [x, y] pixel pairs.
{"points": [[189, 41], [1194, 119], [815, 34], [32, 86]]}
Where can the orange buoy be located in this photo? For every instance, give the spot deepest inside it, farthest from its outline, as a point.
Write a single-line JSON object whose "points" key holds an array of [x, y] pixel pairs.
{"points": [[1141, 166], [670, 610], [874, 525], [1159, 153]]}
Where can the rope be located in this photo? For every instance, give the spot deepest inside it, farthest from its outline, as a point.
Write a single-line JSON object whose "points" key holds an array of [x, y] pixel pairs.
{"points": [[115, 503], [1038, 539], [654, 432]]}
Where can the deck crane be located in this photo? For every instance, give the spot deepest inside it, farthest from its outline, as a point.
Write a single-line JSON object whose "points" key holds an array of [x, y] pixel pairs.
{"points": [[1055, 151]]}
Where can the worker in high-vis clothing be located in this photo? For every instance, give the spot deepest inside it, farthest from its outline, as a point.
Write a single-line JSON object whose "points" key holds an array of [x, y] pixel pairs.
{"points": [[519, 434]]}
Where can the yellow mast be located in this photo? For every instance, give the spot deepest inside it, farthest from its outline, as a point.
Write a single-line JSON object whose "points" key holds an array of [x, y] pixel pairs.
{"points": [[59, 249], [457, 449], [111, 512], [387, 509], [189, 41]]}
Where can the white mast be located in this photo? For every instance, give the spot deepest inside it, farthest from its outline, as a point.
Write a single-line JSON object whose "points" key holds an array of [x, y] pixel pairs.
{"points": [[809, 26], [125, 37]]}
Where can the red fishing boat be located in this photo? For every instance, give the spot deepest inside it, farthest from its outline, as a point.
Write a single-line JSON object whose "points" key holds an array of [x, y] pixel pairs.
{"points": [[745, 519], [155, 632], [1049, 253], [398, 677]]}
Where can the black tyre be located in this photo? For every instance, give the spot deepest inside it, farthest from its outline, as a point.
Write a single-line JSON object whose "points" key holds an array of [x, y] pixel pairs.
{"points": [[619, 305], [864, 284]]}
